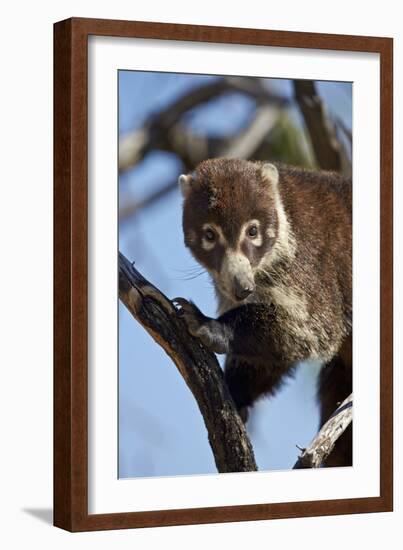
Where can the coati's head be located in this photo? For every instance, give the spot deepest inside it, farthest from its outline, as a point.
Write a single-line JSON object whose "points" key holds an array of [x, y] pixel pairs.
{"points": [[233, 221]]}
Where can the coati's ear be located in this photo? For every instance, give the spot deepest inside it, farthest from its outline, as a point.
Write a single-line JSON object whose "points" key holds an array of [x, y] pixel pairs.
{"points": [[185, 181], [270, 173]]}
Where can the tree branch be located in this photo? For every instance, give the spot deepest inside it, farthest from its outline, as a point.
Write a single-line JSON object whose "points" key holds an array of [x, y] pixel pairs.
{"points": [[329, 151], [199, 368], [322, 445], [165, 131]]}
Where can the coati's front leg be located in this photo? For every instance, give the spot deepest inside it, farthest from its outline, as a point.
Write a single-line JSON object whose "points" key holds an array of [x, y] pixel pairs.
{"points": [[245, 330], [215, 335], [249, 380], [254, 364]]}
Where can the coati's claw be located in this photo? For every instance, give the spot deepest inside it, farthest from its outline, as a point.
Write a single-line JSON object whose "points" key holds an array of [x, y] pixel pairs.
{"points": [[212, 334], [192, 315], [181, 302]]}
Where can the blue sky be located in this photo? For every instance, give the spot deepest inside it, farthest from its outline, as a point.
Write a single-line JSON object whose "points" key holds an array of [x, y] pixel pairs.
{"points": [[161, 431]]}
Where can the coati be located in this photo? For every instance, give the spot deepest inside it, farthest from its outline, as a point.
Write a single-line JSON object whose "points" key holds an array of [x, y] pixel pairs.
{"points": [[277, 242]]}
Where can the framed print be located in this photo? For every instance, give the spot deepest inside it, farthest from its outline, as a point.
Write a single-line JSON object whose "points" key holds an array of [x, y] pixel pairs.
{"points": [[222, 274]]}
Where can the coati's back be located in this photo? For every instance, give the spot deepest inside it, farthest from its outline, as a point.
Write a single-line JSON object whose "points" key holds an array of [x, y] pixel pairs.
{"points": [[276, 241], [318, 208]]}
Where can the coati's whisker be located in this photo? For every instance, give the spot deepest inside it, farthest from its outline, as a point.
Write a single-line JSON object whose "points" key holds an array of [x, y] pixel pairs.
{"points": [[189, 277], [188, 273], [192, 269]]}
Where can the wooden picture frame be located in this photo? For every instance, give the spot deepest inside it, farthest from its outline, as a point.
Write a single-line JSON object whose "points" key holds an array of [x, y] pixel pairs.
{"points": [[71, 269]]}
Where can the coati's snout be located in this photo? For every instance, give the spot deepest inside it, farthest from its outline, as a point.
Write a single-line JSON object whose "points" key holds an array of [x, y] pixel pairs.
{"points": [[236, 276], [242, 289], [231, 221]]}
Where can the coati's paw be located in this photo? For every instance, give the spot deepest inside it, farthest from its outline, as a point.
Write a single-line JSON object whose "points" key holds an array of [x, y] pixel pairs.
{"points": [[194, 318], [208, 330]]}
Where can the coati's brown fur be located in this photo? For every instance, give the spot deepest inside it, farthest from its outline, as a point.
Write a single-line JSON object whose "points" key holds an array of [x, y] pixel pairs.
{"points": [[277, 242]]}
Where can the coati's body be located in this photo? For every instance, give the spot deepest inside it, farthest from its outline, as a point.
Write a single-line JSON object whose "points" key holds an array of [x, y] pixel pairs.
{"points": [[277, 242]]}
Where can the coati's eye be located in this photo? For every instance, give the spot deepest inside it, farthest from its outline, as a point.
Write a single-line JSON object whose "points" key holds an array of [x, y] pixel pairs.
{"points": [[209, 235], [252, 231]]}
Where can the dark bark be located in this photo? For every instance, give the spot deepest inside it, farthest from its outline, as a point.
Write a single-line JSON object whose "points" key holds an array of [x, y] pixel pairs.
{"points": [[199, 368]]}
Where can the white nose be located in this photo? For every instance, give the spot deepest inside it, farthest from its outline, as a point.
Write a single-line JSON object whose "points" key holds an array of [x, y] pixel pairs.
{"points": [[236, 275]]}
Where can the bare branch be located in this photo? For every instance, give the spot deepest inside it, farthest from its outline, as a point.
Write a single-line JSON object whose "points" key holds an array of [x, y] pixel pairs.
{"points": [[199, 368], [245, 144], [133, 206], [322, 445], [132, 147], [329, 151], [252, 87], [346, 131], [165, 131]]}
